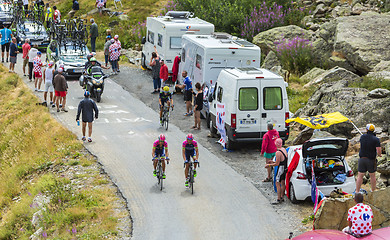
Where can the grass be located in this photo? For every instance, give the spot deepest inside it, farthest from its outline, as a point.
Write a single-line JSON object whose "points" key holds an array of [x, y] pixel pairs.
{"points": [[297, 94], [371, 83], [36, 153]]}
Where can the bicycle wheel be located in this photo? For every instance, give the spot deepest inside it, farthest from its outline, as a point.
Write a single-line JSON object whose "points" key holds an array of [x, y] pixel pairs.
{"points": [[192, 181], [166, 120], [160, 175]]}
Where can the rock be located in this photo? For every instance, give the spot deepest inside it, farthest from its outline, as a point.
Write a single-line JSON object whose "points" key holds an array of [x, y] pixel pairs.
{"points": [[344, 11], [322, 51], [363, 40], [266, 40], [382, 66], [320, 10], [384, 168], [40, 201], [36, 219], [303, 136], [133, 56], [379, 93], [280, 71], [353, 163], [336, 61], [113, 23], [95, 11], [312, 74], [334, 74], [314, 27], [270, 61], [357, 9], [123, 17], [385, 75], [387, 150]]}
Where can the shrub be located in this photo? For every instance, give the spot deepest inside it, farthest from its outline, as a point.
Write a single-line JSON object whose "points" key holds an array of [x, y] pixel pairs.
{"points": [[170, 6], [295, 55]]}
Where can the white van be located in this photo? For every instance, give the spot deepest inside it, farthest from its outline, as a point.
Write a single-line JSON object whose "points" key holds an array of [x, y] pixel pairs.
{"points": [[165, 32], [205, 56], [253, 97]]}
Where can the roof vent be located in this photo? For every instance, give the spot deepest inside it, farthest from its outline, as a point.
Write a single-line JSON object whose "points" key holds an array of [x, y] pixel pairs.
{"points": [[167, 18], [180, 14], [250, 70], [244, 43], [225, 41], [221, 35], [202, 36]]}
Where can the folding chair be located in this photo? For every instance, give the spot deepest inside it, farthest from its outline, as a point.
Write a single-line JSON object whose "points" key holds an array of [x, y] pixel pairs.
{"points": [[115, 1]]}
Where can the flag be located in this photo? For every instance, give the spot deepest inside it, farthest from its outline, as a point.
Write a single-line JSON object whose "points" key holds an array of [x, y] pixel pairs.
{"points": [[314, 189], [220, 122], [320, 121]]}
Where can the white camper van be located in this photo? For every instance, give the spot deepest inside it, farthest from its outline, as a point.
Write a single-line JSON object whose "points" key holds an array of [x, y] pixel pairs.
{"points": [[253, 97], [165, 32], [205, 56]]}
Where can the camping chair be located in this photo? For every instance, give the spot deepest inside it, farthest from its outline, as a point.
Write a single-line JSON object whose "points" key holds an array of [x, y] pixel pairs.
{"points": [[115, 1]]}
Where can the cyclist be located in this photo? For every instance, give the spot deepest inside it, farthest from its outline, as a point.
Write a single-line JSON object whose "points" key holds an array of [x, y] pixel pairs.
{"points": [[88, 62], [160, 149], [165, 97], [190, 149]]}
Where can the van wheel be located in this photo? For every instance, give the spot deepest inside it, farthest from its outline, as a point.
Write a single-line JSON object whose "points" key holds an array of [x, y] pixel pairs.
{"points": [[208, 120], [293, 199], [230, 145], [143, 64]]}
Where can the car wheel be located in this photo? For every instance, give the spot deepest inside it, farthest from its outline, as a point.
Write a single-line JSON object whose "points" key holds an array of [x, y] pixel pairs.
{"points": [[230, 145], [143, 59], [293, 199]]}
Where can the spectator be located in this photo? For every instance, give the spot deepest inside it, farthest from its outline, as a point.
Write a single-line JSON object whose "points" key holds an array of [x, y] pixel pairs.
{"points": [[281, 162], [13, 53], [49, 15], [6, 35], [25, 6], [57, 15], [107, 49], [108, 33], [163, 73], [155, 64], [31, 55], [359, 218], [93, 34], [116, 38], [187, 86], [37, 63], [48, 75], [25, 49], [75, 7], [114, 55], [100, 4], [370, 147], [87, 107], [268, 148], [60, 89], [198, 105]]}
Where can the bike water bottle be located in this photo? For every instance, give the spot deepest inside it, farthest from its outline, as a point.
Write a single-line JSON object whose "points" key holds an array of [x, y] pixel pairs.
{"points": [[78, 122]]}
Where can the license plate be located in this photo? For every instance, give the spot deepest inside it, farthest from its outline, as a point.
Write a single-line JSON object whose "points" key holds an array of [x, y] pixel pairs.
{"points": [[78, 71], [247, 121]]}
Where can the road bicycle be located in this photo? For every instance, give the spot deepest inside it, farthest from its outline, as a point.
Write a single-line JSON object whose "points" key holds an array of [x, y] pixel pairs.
{"points": [[165, 117], [159, 170], [190, 176]]}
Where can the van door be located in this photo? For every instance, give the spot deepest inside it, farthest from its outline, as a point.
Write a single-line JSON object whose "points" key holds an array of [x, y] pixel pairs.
{"points": [[198, 69], [248, 107], [272, 104]]}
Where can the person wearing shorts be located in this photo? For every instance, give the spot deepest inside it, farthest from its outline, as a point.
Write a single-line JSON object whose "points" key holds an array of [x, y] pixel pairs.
{"points": [[190, 150], [60, 89], [370, 147], [268, 148], [25, 50], [48, 82], [187, 86], [160, 149], [37, 68], [87, 107], [6, 35], [13, 55], [281, 162]]}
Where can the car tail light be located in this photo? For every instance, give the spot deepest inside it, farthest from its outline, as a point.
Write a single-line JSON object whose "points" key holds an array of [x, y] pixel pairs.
{"points": [[301, 175], [350, 173], [234, 121], [286, 116], [211, 82]]}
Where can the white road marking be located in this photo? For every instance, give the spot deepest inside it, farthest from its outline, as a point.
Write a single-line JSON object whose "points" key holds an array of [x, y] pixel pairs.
{"points": [[118, 120], [104, 137], [131, 132], [112, 112]]}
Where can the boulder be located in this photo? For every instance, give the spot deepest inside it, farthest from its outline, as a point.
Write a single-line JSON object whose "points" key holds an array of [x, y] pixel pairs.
{"points": [[353, 163], [270, 61], [312, 74], [385, 75], [379, 93], [335, 61], [303, 136], [382, 66], [384, 168], [134, 56], [123, 17], [266, 40], [334, 74], [363, 40], [320, 10]]}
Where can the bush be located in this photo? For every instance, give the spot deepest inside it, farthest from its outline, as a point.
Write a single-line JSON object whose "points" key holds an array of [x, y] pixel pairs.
{"points": [[296, 55]]}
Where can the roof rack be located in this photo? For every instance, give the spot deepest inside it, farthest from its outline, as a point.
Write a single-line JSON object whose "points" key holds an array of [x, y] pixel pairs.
{"points": [[179, 14], [221, 35], [250, 70], [243, 43]]}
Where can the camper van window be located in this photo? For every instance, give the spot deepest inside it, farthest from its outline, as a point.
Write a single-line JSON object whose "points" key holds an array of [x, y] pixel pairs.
{"points": [[198, 63], [219, 94], [183, 55], [248, 99], [151, 37], [160, 40], [175, 43], [272, 98]]}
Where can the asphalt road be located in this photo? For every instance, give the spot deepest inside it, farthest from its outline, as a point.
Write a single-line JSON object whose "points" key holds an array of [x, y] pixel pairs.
{"points": [[225, 205]]}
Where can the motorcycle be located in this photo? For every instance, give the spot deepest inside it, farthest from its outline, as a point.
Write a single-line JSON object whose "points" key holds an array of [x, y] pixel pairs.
{"points": [[94, 82]]}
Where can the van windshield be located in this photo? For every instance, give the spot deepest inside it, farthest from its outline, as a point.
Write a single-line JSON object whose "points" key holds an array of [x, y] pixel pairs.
{"points": [[248, 99], [272, 98]]}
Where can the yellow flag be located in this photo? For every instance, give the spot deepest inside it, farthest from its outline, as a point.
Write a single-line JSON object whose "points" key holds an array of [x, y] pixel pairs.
{"points": [[320, 121]]}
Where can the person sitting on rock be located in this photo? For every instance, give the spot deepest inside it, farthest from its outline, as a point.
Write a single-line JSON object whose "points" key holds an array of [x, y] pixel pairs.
{"points": [[359, 218]]}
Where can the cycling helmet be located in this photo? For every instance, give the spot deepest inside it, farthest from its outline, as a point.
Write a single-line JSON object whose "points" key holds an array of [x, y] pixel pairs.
{"points": [[116, 37], [39, 53], [166, 89], [161, 137], [93, 59], [190, 136], [86, 94], [89, 56]]}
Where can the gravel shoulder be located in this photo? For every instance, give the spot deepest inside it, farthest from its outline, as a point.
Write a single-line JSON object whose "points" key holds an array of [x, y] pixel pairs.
{"points": [[246, 160]]}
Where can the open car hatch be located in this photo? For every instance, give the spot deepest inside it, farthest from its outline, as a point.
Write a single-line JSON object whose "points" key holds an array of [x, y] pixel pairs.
{"points": [[325, 147]]}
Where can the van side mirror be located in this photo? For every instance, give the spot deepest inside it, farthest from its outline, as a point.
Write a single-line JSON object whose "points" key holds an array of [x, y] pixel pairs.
{"points": [[210, 97], [143, 41]]}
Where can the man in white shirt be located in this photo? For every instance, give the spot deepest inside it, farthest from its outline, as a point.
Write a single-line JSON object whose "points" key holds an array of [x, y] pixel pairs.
{"points": [[31, 55], [48, 76], [359, 218]]}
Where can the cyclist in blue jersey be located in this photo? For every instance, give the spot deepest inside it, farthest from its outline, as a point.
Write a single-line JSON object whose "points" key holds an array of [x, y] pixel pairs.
{"points": [[190, 149], [6, 36]]}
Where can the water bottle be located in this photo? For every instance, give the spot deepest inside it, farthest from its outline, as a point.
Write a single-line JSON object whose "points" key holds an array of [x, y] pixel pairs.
{"points": [[78, 122]]}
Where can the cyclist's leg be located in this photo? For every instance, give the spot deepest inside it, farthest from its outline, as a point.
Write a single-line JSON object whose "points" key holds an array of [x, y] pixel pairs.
{"points": [[163, 161], [195, 160], [161, 109], [155, 160]]}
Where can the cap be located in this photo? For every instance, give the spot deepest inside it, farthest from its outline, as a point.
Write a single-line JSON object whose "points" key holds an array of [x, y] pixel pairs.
{"points": [[39, 53], [112, 40], [370, 127], [92, 20], [60, 70], [51, 63]]}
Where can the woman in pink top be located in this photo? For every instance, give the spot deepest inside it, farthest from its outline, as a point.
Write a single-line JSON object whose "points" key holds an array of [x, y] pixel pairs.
{"points": [[26, 49], [268, 148], [163, 72]]}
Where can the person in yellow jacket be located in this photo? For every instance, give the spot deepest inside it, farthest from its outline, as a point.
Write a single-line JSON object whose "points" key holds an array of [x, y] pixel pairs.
{"points": [[49, 15]]}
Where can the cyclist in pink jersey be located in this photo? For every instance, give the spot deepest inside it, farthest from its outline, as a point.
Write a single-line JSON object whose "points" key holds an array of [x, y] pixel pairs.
{"points": [[160, 149], [190, 149]]}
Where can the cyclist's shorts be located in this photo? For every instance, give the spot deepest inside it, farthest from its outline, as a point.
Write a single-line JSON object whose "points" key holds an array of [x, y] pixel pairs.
{"points": [[158, 154], [189, 155]]}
